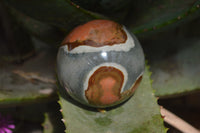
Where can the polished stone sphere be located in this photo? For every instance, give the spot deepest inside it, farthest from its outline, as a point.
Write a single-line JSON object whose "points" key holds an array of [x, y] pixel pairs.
{"points": [[100, 64]]}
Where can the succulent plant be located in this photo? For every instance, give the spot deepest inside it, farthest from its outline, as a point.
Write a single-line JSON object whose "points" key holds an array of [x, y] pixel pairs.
{"points": [[100, 63], [167, 30]]}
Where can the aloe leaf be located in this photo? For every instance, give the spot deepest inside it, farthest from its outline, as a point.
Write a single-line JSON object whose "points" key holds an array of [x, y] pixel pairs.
{"points": [[49, 34], [140, 16], [177, 73], [139, 114], [61, 13], [33, 81], [153, 15], [14, 35], [116, 10], [174, 59], [47, 125], [52, 122]]}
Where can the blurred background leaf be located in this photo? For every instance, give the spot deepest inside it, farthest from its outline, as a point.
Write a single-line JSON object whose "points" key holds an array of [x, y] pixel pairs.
{"points": [[21, 83], [179, 72], [139, 15], [13, 37], [53, 119], [116, 10], [61, 13], [150, 15], [49, 34], [174, 59]]}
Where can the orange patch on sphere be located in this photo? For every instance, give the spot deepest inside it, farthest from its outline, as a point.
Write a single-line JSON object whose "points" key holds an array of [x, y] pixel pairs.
{"points": [[104, 86], [96, 33], [107, 85]]}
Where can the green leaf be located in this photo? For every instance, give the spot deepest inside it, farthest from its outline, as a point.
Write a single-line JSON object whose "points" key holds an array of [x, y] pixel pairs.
{"points": [[153, 15], [139, 114], [139, 16], [53, 123], [61, 13], [177, 72], [33, 81], [116, 10], [49, 34], [47, 125], [14, 35]]}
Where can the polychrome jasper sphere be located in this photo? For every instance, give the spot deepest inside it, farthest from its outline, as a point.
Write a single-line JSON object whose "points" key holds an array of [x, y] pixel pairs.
{"points": [[100, 64]]}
